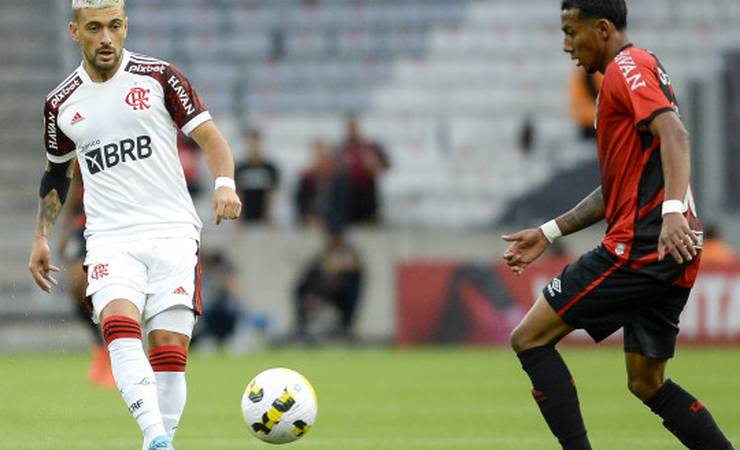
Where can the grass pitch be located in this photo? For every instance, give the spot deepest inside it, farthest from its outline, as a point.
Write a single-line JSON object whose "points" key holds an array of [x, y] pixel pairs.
{"points": [[379, 399]]}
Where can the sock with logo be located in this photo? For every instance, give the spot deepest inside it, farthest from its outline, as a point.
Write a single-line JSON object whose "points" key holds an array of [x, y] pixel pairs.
{"points": [[555, 393], [133, 373], [168, 363], [685, 417]]}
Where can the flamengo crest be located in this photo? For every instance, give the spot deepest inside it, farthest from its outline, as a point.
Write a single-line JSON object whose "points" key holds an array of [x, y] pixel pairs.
{"points": [[138, 98]]}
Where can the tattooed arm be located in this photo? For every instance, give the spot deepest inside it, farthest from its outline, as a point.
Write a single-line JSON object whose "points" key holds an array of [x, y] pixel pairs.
{"points": [[589, 211], [528, 245], [53, 193]]}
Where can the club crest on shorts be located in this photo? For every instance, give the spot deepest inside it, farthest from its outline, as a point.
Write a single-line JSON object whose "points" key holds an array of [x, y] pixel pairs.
{"points": [[99, 271]]}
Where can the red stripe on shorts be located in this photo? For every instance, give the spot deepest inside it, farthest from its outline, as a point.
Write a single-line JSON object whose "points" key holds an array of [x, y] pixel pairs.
{"points": [[197, 301], [588, 289]]}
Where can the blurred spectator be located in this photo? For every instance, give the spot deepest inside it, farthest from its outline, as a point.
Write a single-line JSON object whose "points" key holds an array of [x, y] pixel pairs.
{"points": [[277, 45], [72, 251], [363, 161], [323, 191], [334, 277], [583, 89], [257, 178], [526, 135], [189, 154], [715, 249], [221, 306]]}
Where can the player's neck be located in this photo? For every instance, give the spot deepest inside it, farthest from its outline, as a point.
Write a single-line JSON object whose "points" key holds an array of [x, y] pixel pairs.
{"points": [[98, 76], [614, 46]]}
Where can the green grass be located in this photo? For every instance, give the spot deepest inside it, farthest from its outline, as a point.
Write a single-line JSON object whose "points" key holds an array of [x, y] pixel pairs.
{"points": [[447, 399]]}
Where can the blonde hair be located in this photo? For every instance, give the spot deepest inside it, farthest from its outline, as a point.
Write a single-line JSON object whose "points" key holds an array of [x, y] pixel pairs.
{"points": [[77, 5]]}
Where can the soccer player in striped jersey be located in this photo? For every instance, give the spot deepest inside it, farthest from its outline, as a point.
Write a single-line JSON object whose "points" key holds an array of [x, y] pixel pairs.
{"points": [[640, 277], [118, 114]]}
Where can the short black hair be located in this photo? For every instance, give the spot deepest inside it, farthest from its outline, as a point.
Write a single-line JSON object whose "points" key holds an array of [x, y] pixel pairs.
{"points": [[615, 11]]}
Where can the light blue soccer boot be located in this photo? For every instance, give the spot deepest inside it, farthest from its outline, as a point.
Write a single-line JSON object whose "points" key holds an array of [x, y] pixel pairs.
{"points": [[161, 443]]}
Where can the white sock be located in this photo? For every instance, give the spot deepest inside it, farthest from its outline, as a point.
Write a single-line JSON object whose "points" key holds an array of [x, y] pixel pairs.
{"points": [[172, 392], [136, 382]]}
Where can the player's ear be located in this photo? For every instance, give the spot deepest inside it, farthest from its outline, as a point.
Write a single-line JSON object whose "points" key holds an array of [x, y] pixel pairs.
{"points": [[74, 30], [603, 28]]}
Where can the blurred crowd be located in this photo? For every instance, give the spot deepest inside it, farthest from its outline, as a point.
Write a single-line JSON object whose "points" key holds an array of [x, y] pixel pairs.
{"points": [[337, 190]]}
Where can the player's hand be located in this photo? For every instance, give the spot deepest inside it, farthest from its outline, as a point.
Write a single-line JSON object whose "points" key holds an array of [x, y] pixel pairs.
{"points": [[677, 239], [226, 204], [39, 265], [526, 246]]}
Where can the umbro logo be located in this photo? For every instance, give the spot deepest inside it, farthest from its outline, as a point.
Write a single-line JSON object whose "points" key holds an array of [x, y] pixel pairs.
{"points": [[180, 291], [77, 118], [554, 286]]}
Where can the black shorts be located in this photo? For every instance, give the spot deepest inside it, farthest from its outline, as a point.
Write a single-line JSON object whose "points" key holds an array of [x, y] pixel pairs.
{"points": [[600, 295]]}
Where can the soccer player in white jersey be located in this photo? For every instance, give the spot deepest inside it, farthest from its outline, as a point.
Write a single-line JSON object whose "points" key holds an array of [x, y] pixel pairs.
{"points": [[118, 114]]}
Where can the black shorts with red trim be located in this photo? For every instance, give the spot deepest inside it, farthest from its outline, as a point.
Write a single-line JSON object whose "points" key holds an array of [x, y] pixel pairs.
{"points": [[600, 294]]}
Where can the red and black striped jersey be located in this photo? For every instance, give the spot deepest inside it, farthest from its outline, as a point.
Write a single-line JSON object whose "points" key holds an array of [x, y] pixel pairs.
{"points": [[635, 90]]}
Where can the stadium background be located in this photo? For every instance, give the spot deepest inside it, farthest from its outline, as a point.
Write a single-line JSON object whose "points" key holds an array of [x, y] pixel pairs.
{"points": [[447, 86]]}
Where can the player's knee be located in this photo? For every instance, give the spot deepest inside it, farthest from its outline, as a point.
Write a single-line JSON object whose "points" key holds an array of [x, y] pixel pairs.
{"points": [[644, 387], [522, 339], [162, 338]]}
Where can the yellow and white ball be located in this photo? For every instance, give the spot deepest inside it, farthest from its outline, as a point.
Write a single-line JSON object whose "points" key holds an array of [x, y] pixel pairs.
{"points": [[279, 406]]}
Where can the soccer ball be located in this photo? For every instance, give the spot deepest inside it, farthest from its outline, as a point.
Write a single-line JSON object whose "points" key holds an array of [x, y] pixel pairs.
{"points": [[279, 406]]}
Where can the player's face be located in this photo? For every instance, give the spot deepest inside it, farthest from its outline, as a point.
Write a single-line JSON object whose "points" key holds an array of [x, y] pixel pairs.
{"points": [[101, 34], [582, 41]]}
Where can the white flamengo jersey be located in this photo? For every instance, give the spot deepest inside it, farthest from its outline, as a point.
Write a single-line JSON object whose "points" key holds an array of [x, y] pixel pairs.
{"points": [[124, 134]]}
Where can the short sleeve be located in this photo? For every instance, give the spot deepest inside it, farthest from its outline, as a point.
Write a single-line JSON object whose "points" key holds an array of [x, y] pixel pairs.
{"points": [[59, 148], [646, 89], [185, 107]]}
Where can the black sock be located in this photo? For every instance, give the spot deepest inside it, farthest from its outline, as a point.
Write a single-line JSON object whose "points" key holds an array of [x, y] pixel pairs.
{"points": [[555, 393], [687, 418]]}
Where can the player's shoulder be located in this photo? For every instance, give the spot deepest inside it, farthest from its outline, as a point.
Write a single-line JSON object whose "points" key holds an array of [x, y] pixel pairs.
{"points": [[630, 66], [642, 56], [630, 58], [64, 90], [141, 64]]}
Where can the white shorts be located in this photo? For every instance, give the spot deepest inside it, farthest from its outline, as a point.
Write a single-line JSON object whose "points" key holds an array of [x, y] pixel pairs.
{"points": [[178, 319], [153, 274]]}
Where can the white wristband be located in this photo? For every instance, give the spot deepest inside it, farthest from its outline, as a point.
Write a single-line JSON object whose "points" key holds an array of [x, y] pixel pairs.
{"points": [[672, 206], [551, 230], [225, 182]]}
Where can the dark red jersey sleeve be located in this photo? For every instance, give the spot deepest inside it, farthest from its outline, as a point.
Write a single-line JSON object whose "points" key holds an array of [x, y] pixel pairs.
{"points": [[185, 107], [643, 87], [59, 147]]}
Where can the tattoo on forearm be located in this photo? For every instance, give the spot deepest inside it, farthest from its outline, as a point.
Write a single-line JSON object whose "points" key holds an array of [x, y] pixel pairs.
{"points": [[49, 209], [54, 186], [589, 211]]}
